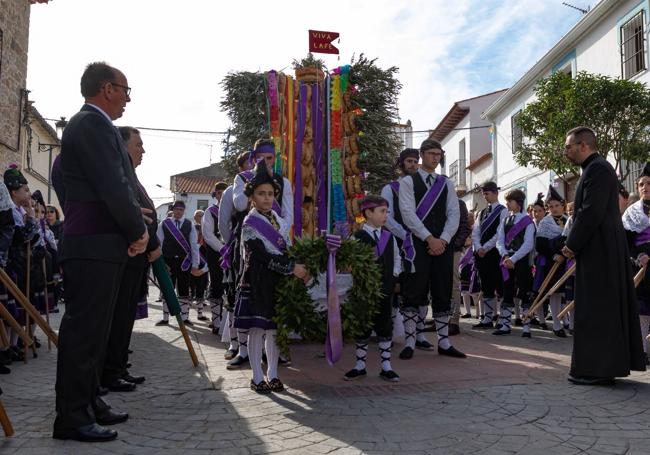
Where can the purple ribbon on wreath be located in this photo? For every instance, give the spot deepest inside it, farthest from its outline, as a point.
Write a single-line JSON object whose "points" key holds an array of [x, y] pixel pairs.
{"points": [[334, 341]]}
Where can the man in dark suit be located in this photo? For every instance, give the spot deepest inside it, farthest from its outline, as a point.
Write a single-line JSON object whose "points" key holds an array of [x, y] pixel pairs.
{"points": [[115, 376], [104, 226], [607, 335]]}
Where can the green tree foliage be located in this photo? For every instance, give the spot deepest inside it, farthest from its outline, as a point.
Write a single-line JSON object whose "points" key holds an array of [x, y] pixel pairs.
{"points": [[376, 94], [377, 91], [617, 110], [244, 102]]}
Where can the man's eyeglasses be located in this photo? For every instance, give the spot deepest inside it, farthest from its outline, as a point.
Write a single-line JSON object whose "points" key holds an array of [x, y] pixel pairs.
{"points": [[568, 146], [127, 90]]}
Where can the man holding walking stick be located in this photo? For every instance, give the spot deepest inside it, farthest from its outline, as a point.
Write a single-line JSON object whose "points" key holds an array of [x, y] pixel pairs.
{"points": [[607, 336]]}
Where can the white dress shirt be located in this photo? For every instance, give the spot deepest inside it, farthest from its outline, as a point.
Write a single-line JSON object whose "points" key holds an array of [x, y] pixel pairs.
{"points": [[207, 229], [194, 239], [526, 247], [391, 224], [225, 214], [408, 206], [397, 260], [476, 231], [240, 200]]}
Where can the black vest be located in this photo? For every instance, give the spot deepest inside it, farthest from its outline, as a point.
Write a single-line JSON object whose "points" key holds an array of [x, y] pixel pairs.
{"points": [[279, 180], [437, 217], [215, 228], [397, 213], [492, 230], [385, 261], [170, 247], [519, 238]]}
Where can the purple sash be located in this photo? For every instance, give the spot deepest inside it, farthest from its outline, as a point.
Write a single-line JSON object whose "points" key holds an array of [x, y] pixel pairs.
{"points": [[225, 253], [383, 242], [178, 236], [395, 187], [334, 340], [267, 231], [491, 217], [512, 233], [214, 210], [642, 237], [517, 228], [422, 210], [468, 258], [246, 176], [431, 197], [540, 263]]}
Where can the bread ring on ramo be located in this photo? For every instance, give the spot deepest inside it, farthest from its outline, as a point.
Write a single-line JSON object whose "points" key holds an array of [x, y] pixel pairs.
{"points": [[354, 159]]}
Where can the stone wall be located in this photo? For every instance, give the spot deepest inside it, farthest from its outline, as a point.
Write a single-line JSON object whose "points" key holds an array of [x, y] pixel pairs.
{"points": [[14, 27]]}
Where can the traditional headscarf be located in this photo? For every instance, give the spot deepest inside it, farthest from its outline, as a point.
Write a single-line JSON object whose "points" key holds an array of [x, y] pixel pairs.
{"points": [[13, 178], [261, 177], [540, 200], [553, 195], [38, 197]]}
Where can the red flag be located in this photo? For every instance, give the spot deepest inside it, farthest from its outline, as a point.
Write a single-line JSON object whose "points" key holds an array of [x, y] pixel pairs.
{"points": [[321, 42]]}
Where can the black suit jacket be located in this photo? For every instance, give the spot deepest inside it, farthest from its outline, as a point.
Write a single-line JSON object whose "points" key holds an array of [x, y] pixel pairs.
{"points": [[141, 260], [97, 188]]}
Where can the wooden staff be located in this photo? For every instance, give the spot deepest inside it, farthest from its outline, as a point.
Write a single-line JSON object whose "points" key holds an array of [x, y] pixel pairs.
{"points": [[6, 315], [637, 280], [4, 338], [29, 308], [47, 304], [5, 422], [28, 326], [552, 291], [542, 288], [639, 276], [566, 309]]}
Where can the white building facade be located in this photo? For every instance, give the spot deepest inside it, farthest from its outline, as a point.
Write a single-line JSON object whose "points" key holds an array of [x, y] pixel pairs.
{"points": [[612, 40], [466, 140]]}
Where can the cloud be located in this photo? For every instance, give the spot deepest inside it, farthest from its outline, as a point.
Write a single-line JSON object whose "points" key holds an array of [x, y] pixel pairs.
{"points": [[175, 53]]}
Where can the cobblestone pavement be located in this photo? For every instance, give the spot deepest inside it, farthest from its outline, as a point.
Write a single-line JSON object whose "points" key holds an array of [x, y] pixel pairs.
{"points": [[509, 396]]}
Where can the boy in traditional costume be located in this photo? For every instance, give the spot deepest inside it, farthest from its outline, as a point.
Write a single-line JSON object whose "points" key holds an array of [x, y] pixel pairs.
{"points": [[484, 240], [180, 250], [230, 222], [430, 210], [375, 211], [407, 164], [213, 245], [515, 242], [264, 242]]}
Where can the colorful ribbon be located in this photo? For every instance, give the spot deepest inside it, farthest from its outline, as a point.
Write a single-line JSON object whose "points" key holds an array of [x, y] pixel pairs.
{"points": [[334, 341]]}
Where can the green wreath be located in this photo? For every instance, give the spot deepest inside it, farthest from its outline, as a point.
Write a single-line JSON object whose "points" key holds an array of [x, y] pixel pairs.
{"points": [[295, 312]]}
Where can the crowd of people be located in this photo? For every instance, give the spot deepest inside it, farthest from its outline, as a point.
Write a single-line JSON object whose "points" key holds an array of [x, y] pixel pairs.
{"points": [[435, 257]]}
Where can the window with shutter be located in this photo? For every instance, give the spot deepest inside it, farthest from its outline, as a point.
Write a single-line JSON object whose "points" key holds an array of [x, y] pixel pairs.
{"points": [[633, 46]]}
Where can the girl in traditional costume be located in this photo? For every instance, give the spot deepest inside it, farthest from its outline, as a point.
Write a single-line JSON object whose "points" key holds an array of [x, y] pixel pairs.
{"points": [[636, 221], [548, 243], [264, 242]]}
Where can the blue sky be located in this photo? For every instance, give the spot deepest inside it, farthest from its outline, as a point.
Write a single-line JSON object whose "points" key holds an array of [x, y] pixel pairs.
{"points": [[175, 53]]}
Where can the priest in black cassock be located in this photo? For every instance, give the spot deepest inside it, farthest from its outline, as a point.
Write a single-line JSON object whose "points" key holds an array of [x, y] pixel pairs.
{"points": [[607, 335]]}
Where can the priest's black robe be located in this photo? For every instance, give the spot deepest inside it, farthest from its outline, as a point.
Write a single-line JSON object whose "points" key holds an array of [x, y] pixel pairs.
{"points": [[607, 334]]}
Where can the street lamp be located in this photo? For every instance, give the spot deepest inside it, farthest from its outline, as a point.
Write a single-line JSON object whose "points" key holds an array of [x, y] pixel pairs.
{"points": [[60, 126]]}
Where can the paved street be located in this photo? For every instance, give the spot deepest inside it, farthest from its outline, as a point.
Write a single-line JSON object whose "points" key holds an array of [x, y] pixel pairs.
{"points": [[509, 396]]}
